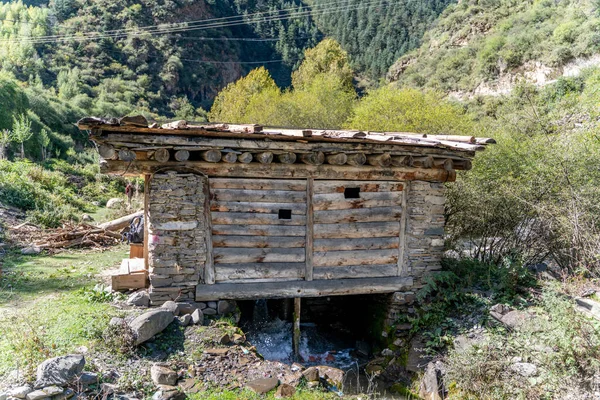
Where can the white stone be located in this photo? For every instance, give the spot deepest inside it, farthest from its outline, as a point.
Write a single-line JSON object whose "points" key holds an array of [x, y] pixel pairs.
{"points": [[37, 395], [20, 392], [115, 202], [524, 369]]}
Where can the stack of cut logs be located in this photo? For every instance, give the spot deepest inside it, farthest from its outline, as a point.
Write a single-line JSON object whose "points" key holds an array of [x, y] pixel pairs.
{"points": [[355, 159]]}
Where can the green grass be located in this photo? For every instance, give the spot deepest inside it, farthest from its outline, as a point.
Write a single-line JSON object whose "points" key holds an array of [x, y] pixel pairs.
{"points": [[223, 394], [27, 277]]}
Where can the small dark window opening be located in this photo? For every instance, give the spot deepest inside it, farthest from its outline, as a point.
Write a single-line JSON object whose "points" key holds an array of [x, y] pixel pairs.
{"points": [[352, 193], [285, 214]]}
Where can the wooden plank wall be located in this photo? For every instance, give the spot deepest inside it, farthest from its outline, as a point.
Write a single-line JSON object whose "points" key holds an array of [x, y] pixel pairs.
{"points": [[251, 243], [359, 237]]}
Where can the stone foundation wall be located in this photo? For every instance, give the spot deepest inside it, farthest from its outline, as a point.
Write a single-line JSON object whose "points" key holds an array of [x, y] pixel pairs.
{"points": [[424, 229], [176, 235]]}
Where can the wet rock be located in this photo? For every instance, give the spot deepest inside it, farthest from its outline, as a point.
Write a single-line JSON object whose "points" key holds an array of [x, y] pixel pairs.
{"points": [[185, 320], [429, 387], [139, 299], [333, 376], [171, 306], [524, 369], [115, 202], [163, 375], [59, 370], [225, 307], [197, 317], [285, 390], [262, 386], [88, 378], [37, 395], [166, 392], [20, 392], [150, 323], [311, 374]]}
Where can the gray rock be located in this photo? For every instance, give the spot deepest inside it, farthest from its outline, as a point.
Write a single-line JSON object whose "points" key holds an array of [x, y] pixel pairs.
{"points": [[417, 358], [37, 395], [31, 250], [106, 389], [311, 374], [20, 392], [225, 307], [150, 323], [88, 378], [59, 371], [524, 369], [171, 306], [166, 392], [53, 390], [429, 387], [185, 320], [212, 304], [3, 395], [115, 202], [139, 299], [86, 218], [163, 375], [333, 376], [201, 305], [197, 317], [209, 311], [186, 308], [387, 353], [262, 386], [284, 391], [67, 394]]}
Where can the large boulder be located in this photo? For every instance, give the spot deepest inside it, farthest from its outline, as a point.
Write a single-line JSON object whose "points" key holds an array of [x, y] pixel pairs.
{"points": [[150, 323], [140, 299], [59, 371], [115, 202]]}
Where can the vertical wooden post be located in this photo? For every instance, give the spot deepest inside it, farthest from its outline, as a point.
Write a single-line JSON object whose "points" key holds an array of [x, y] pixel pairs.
{"points": [[309, 230], [209, 266], [147, 178], [402, 238], [296, 333]]}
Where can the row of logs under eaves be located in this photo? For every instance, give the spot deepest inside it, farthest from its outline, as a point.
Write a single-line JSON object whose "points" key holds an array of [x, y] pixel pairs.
{"points": [[163, 155]]}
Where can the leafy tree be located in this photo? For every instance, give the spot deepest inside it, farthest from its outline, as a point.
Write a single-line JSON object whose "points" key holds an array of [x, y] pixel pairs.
{"points": [[44, 140], [232, 102], [22, 131], [327, 57], [409, 110]]}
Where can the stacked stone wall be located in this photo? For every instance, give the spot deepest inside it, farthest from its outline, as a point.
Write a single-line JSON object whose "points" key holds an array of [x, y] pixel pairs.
{"points": [[425, 229], [176, 235]]}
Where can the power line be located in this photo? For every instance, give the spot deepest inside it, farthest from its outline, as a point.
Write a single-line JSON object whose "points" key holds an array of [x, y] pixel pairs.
{"points": [[153, 29]]}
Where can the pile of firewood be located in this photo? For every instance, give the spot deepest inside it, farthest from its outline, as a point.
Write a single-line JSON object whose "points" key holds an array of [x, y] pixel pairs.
{"points": [[82, 235]]}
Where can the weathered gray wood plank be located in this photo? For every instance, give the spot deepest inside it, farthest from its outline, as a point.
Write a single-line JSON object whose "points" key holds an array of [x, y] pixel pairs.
{"points": [[339, 186], [315, 288], [258, 242], [247, 271], [268, 208], [355, 244], [354, 257], [355, 271], [260, 230], [233, 255], [376, 214], [270, 196], [258, 184], [356, 230], [234, 218]]}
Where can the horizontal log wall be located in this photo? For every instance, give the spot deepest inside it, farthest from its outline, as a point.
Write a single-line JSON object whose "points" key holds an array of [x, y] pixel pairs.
{"points": [[176, 244], [251, 240], [356, 229]]}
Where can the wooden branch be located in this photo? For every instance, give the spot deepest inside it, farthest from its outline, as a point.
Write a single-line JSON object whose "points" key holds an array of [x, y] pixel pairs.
{"points": [[380, 160], [212, 156], [287, 158], [120, 223], [314, 158], [337, 159], [264, 157], [182, 155], [356, 159]]}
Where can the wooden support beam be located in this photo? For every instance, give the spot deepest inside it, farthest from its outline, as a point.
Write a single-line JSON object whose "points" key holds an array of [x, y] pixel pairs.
{"points": [[182, 155], [293, 289], [296, 335], [283, 171], [245, 157], [423, 162], [464, 165], [314, 158], [337, 159], [402, 267], [356, 159], [380, 160], [309, 229], [229, 157], [287, 158], [212, 156], [162, 155], [126, 155], [209, 266], [402, 161], [443, 163], [264, 157]]}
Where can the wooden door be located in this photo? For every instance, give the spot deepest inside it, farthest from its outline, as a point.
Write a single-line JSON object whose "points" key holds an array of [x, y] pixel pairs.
{"points": [[258, 229], [357, 229]]}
